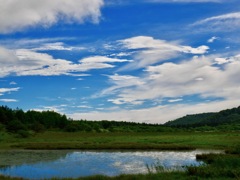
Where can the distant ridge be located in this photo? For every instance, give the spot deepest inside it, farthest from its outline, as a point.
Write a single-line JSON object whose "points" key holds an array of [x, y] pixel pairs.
{"points": [[224, 117]]}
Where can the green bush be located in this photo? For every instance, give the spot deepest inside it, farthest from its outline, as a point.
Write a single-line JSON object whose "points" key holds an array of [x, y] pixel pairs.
{"points": [[15, 125], [38, 127], [73, 127], [23, 134]]}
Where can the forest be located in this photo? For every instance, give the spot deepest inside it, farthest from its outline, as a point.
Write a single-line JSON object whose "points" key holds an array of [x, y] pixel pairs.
{"points": [[25, 124], [228, 119]]}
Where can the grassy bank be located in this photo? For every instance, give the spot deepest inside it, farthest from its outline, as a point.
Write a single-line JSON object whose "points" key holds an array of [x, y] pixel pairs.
{"points": [[80, 140]]}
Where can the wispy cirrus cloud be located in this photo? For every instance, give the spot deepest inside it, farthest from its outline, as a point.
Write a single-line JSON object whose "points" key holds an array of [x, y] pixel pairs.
{"points": [[212, 39], [224, 22], [148, 51], [56, 46], [8, 100], [57, 108], [175, 100], [8, 90], [197, 76], [16, 15], [24, 62]]}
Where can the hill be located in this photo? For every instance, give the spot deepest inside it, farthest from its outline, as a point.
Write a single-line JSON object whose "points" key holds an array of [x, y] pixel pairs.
{"points": [[224, 117]]}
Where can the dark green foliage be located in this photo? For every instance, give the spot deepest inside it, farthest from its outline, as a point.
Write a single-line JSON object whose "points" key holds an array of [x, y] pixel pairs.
{"points": [[73, 127], [189, 120], [2, 127], [17, 120], [23, 133], [21, 123], [9, 178], [224, 120], [15, 125], [235, 150], [38, 127], [218, 166]]}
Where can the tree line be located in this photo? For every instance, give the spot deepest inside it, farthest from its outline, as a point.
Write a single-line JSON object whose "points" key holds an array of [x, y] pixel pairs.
{"points": [[25, 123]]}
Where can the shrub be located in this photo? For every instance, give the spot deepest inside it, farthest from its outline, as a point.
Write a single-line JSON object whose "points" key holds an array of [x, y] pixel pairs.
{"points": [[23, 134], [15, 125]]}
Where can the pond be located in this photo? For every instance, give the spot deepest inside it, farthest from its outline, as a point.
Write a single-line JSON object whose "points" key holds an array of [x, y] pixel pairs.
{"points": [[44, 164]]}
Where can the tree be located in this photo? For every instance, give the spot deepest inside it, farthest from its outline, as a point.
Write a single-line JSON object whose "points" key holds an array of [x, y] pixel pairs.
{"points": [[15, 125]]}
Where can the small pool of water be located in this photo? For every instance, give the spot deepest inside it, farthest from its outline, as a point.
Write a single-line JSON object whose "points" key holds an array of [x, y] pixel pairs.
{"points": [[39, 164]]}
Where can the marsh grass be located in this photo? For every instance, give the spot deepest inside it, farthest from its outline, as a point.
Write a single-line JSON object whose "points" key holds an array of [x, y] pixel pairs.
{"points": [[155, 168], [145, 141], [218, 165], [234, 150]]}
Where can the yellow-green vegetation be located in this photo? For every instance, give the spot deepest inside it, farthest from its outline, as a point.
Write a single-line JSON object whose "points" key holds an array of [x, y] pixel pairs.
{"points": [[164, 140]]}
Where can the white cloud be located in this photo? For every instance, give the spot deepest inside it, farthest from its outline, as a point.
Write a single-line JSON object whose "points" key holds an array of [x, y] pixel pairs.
{"points": [[222, 17], [23, 62], [57, 46], [148, 51], [199, 79], [198, 76], [212, 39], [221, 60], [12, 83], [159, 114], [84, 106], [39, 44], [101, 59], [225, 22], [8, 90], [120, 101], [8, 100], [174, 100], [17, 15], [121, 81], [57, 108]]}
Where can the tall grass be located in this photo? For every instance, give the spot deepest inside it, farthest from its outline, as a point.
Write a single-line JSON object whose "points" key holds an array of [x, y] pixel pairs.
{"points": [[218, 165], [155, 168], [161, 141]]}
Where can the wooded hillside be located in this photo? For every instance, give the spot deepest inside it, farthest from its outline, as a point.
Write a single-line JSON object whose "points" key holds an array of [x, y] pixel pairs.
{"points": [[225, 117]]}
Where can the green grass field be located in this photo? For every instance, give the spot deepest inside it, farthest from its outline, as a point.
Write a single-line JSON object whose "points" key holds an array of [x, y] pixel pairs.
{"points": [[80, 140]]}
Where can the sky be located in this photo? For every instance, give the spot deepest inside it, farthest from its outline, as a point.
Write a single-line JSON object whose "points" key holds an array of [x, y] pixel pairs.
{"points": [[145, 61]]}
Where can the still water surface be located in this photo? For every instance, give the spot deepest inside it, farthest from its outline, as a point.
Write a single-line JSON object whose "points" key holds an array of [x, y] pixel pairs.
{"points": [[39, 164]]}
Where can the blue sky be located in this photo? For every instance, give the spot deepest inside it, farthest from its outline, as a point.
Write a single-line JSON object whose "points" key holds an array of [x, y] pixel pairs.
{"points": [[129, 60]]}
